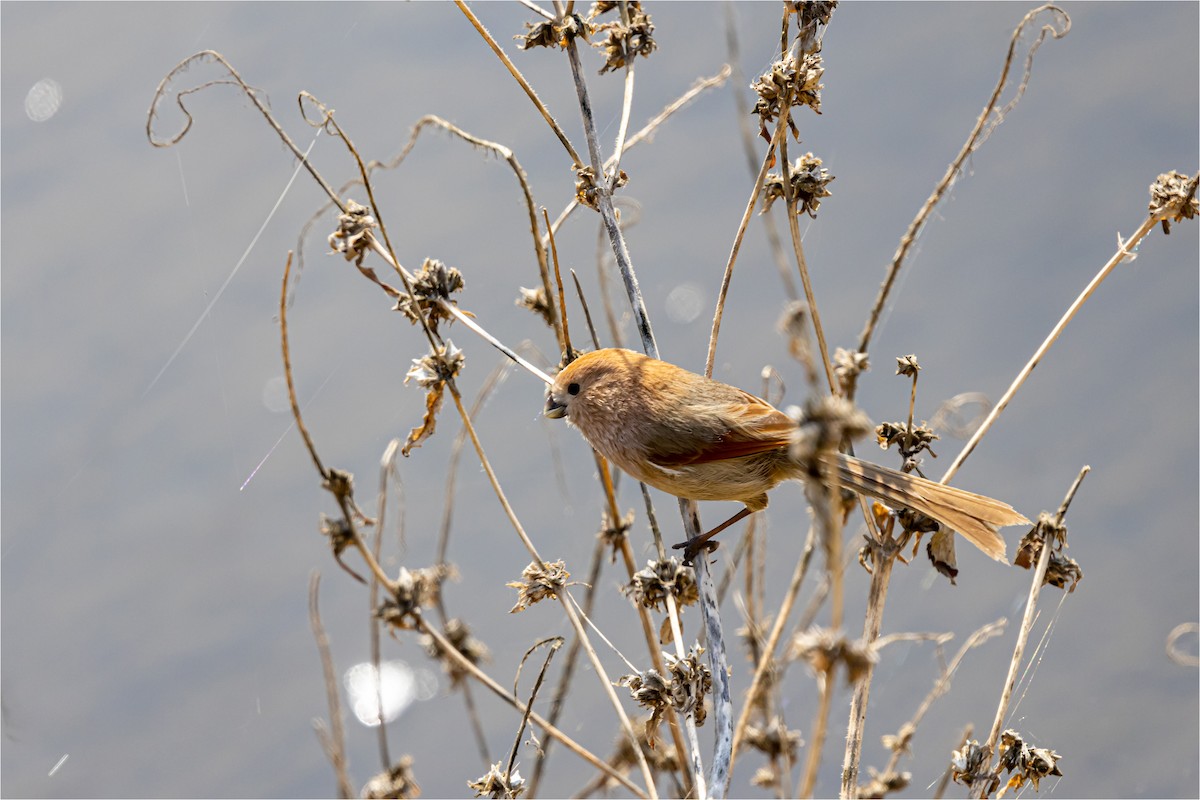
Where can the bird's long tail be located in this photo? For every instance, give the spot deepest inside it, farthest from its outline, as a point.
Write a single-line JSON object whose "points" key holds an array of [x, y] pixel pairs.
{"points": [[976, 517]]}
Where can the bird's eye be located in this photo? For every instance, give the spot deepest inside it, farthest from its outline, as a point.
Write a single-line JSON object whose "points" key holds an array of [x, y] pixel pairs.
{"points": [[573, 389]]}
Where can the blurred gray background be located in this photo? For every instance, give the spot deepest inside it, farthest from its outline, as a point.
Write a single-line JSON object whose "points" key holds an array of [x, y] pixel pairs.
{"points": [[154, 603]]}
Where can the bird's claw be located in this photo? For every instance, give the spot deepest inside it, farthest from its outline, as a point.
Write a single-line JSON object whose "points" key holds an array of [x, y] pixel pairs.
{"points": [[692, 547]]}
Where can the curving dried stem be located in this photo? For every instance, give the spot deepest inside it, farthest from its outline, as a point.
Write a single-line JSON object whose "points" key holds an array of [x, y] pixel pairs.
{"points": [[984, 125], [211, 55], [793, 218], [727, 276]]}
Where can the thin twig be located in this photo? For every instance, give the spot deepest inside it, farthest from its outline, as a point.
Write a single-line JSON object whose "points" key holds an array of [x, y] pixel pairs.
{"points": [[766, 662], [1035, 588], [516, 73], [334, 742], [1124, 251], [977, 137]]}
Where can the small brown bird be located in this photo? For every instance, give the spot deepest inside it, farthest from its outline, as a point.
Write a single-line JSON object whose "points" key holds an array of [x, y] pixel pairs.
{"points": [[701, 439]]}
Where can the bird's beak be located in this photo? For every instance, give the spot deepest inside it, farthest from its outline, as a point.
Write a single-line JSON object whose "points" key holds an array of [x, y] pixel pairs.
{"points": [[554, 409]]}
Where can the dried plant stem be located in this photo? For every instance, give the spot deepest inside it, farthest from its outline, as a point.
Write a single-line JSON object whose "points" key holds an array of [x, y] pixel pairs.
{"points": [[774, 244], [607, 213], [816, 737], [1124, 251], [881, 575], [567, 605], [626, 105], [387, 466], [975, 139], [333, 742], [766, 661], [516, 73], [793, 218], [445, 646], [1039, 578], [727, 276], [696, 776], [496, 343], [722, 705]]}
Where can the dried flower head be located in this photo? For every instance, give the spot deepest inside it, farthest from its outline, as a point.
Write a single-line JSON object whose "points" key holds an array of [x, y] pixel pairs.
{"points": [[684, 687], [650, 587], [539, 581], [613, 533], [883, 784], [536, 301], [1061, 569], [1026, 763], [350, 238], [554, 32], [431, 373], [909, 441], [1173, 197], [847, 366], [623, 42], [459, 635], [822, 425], [340, 534], [824, 649], [809, 185], [774, 739], [785, 86], [415, 589], [497, 783], [397, 782], [431, 286], [969, 766]]}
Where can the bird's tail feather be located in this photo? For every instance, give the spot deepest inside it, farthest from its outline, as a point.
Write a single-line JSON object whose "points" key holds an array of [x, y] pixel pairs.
{"points": [[976, 517]]}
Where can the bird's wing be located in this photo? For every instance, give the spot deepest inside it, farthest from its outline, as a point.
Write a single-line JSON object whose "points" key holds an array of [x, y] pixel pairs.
{"points": [[747, 427]]}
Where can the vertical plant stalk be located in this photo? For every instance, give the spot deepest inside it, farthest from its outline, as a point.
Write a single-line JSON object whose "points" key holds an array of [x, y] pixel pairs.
{"points": [[334, 741], [881, 576], [1035, 588], [718, 781]]}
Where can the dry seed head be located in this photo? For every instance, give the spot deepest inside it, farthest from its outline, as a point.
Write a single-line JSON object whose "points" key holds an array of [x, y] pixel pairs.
{"points": [[433, 284], [497, 783], [350, 238], [809, 185], [1173, 196], [650, 587], [397, 782], [539, 581]]}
